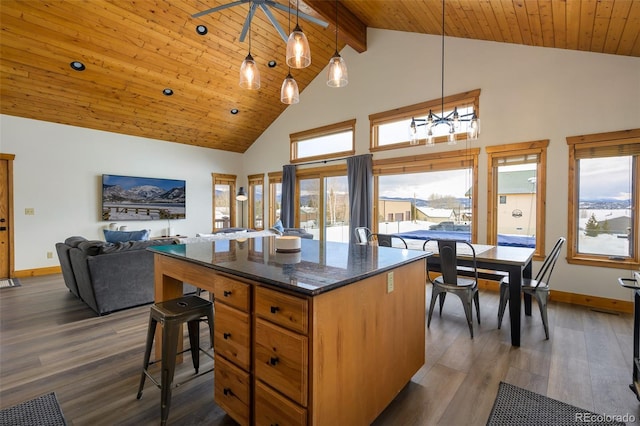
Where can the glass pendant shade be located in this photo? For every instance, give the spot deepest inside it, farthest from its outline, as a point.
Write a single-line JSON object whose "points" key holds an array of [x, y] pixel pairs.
{"points": [[337, 75], [298, 51], [249, 74], [474, 128], [289, 93]]}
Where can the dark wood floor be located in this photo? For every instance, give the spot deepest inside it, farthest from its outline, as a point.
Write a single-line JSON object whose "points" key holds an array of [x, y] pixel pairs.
{"points": [[50, 341]]}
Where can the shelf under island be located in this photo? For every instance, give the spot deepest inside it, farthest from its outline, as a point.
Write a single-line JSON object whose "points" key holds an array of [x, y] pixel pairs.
{"points": [[325, 336]]}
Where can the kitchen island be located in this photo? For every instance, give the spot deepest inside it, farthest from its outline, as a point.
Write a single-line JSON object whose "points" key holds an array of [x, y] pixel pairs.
{"points": [[325, 336]]}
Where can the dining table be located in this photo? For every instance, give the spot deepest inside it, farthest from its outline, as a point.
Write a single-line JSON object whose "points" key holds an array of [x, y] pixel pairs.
{"points": [[514, 262]]}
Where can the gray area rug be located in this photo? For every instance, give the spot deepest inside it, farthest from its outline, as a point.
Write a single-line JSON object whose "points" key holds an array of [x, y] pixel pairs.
{"points": [[517, 406], [41, 411], [10, 282]]}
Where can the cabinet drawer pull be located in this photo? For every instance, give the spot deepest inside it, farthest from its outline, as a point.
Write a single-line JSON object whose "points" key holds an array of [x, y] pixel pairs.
{"points": [[273, 360], [274, 424], [227, 391], [226, 335], [226, 293], [274, 309]]}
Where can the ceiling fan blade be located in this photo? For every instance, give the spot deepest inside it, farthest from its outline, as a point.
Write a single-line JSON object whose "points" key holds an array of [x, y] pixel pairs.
{"points": [[309, 18], [274, 22], [247, 22], [218, 8]]}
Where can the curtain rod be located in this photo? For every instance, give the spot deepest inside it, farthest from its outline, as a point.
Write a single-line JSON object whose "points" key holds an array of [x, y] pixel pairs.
{"points": [[320, 161]]}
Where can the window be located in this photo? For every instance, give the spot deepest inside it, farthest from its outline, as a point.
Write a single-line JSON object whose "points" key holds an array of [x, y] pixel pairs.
{"points": [[275, 196], [224, 195], [256, 204], [516, 195], [427, 192], [323, 202], [336, 140], [604, 170], [390, 129]]}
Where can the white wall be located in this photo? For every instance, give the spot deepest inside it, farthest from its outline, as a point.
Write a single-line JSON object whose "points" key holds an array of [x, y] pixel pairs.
{"points": [[528, 93], [58, 171]]}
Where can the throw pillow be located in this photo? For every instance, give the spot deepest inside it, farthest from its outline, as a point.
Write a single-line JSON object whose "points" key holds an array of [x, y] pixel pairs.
{"points": [[278, 227], [123, 236]]}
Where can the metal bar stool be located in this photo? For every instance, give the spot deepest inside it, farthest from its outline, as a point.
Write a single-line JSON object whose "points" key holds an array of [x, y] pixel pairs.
{"points": [[172, 314]]}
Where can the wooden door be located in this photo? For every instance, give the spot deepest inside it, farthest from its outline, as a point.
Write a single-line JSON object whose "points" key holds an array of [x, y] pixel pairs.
{"points": [[6, 215]]}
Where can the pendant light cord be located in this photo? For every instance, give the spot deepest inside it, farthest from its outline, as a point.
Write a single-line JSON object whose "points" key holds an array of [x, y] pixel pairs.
{"points": [[442, 69], [336, 26]]}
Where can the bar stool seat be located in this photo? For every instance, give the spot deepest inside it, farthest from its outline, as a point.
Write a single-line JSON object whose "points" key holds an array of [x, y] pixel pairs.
{"points": [[172, 314]]}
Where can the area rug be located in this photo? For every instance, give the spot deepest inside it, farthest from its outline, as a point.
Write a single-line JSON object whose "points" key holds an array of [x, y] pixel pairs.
{"points": [[11, 282], [41, 411], [517, 406]]}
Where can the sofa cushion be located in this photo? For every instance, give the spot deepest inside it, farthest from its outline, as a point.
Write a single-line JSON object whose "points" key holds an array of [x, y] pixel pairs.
{"points": [[123, 236]]}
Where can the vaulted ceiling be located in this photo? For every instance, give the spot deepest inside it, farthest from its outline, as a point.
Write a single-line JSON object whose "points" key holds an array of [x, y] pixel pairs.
{"points": [[133, 50]]}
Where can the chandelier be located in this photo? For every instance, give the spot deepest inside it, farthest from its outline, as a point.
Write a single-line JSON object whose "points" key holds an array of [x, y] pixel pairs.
{"points": [[453, 119]]}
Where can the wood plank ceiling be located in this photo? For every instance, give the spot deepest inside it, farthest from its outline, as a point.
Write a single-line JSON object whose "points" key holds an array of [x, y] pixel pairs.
{"points": [[133, 50]]}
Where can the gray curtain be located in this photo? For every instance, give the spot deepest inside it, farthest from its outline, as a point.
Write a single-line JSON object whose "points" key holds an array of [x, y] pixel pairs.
{"points": [[287, 208], [360, 180]]}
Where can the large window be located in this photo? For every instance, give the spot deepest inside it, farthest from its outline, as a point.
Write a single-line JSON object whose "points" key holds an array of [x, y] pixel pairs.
{"points": [[604, 170], [275, 196], [515, 200], [335, 140], [436, 192], [224, 196], [256, 204], [390, 129], [323, 202]]}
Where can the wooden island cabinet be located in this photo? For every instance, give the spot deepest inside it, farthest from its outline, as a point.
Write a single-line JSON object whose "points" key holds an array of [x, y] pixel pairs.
{"points": [[325, 337]]}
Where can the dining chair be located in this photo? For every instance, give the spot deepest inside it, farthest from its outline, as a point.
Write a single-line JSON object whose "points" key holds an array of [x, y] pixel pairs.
{"points": [[537, 287], [450, 282], [362, 234], [387, 240]]}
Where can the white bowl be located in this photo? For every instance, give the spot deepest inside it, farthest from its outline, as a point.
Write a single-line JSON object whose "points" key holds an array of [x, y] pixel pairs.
{"points": [[288, 244]]}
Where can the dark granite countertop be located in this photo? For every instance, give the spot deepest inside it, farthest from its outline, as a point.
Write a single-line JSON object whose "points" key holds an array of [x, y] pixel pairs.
{"points": [[317, 268]]}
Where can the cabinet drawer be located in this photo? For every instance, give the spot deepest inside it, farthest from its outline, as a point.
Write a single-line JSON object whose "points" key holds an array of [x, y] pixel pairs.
{"points": [[232, 335], [231, 292], [273, 409], [232, 390], [288, 311], [281, 359]]}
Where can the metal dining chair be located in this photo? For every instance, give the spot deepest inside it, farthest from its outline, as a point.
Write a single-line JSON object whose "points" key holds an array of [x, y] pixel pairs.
{"points": [[537, 287], [387, 240], [450, 281], [362, 234]]}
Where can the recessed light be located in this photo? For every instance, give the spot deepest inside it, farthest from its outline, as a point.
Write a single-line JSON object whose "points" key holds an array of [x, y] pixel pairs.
{"points": [[201, 29], [234, 111], [77, 66], [167, 92], [272, 64]]}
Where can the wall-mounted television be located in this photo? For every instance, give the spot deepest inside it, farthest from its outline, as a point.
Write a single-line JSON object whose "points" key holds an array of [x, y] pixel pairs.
{"points": [[141, 198]]}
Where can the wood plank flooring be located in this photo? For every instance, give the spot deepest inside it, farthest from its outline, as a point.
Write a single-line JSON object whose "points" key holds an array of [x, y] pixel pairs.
{"points": [[50, 341]]}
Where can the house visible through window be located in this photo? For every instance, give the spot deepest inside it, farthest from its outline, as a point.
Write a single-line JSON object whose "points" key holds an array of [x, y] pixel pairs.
{"points": [[427, 193], [603, 184], [517, 182]]}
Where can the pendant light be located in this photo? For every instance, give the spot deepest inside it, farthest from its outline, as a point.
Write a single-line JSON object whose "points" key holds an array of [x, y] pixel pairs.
{"points": [[453, 119], [298, 51], [249, 72], [289, 93], [337, 73]]}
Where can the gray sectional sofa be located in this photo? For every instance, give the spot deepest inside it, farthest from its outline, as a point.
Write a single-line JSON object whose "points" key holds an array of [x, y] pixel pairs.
{"points": [[109, 277]]}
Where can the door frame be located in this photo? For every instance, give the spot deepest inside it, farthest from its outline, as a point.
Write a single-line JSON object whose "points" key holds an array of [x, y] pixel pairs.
{"points": [[10, 252]]}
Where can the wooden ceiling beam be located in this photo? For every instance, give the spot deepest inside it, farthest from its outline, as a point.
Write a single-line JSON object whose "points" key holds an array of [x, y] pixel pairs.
{"points": [[351, 30]]}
